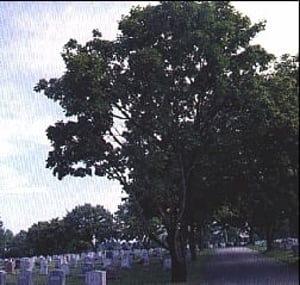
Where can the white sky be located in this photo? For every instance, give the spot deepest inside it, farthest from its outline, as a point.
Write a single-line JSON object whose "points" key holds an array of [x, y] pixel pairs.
{"points": [[32, 35]]}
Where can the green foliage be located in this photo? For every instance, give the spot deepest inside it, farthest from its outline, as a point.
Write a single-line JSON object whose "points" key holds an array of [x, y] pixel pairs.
{"points": [[19, 245], [180, 110], [45, 238], [86, 221]]}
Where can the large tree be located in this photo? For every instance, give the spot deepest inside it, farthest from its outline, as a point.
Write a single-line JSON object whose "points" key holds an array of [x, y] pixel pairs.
{"points": [[272, 151], [144, 108]]}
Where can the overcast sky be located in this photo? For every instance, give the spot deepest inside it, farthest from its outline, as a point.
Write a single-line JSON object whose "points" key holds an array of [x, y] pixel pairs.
{"points": [[32, 35]]}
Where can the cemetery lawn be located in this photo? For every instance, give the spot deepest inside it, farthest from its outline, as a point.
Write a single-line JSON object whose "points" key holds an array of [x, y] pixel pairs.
{"points": [[137, 275], [278, 254]]}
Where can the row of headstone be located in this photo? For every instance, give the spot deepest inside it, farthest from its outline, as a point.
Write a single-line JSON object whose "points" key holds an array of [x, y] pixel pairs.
{"points": [[56, 277], [23, 264]]}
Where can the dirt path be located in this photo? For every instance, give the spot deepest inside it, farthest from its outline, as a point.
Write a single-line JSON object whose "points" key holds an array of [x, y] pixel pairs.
{"points": [[243, 266]]}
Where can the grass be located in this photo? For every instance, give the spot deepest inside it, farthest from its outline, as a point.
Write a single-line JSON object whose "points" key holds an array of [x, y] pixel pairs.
{"points": [[278, 254], [137, 275]]}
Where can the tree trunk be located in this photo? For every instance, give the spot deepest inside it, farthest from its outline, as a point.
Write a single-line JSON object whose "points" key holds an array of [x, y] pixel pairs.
{"points": [[177, 251], [225, 236], [201, 238], [251, 234], [192, 243], [269, 237]]}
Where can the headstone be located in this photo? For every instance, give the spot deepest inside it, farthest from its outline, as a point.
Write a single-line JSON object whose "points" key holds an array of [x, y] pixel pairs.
{"points": [[188, 255], [107, 262], [86, 267], [26, 264], [112, 271], [43, 267], [25, 278], [109, 254], [125, 261], [65, 268], [87, 259], [167, 263], [73, 262], [56, 277], [9, 267], [57, 263], [95, 278], [295, 249], [145, 257], [2, 277]]}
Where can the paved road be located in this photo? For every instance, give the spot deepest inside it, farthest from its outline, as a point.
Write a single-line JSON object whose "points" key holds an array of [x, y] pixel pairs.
{"points": [[243, 266]]}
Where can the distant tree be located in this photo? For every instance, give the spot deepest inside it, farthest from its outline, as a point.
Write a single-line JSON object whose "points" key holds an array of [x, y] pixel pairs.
{"points": [[86, 221], [131, 224], [47, 238], [6, 237], [19, 246]]}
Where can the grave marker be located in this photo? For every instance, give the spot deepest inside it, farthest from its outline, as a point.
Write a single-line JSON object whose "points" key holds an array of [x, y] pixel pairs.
{"points": [[56, 277], [86, 267], [2, 278], [9, 267], [25, 278], [43, 267], [167, 263], [95, 278], [26, 264], [65, 268], [125, 261], [145, 257]]}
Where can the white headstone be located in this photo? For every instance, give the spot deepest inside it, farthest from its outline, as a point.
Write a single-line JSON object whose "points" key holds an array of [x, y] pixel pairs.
{"points": [[65, 268], [107, 262], [57, 262], [167, 263], [145, 257], [56, 277], [73, 262], [125, 261], [43, 267], [26, 264], [25, 278], [9, 266], [2, 277], [86, 267], [188, 255], [95, 278]]}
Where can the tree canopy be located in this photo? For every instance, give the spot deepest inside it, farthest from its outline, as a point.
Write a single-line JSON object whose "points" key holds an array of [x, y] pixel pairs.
{"points": [[169, 109]]}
